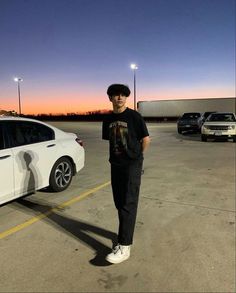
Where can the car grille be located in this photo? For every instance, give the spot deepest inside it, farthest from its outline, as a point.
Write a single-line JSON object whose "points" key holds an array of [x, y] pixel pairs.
{"points": [[218, 127], [188, 122]]}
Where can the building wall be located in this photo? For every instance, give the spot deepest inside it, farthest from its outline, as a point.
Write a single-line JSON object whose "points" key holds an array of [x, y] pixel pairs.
{"points": [[175, 108]]}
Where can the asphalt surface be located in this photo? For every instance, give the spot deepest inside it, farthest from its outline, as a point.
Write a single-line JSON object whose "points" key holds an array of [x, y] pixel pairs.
{"points": [[185, 231]]}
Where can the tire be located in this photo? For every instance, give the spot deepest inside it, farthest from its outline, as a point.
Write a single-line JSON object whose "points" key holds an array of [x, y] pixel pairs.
{"points": [[203, 137], [61, 175], [234, 138]]}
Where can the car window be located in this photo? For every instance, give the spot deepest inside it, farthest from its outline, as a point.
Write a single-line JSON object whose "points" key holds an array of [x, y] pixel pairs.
{"points": [[222, 117], [1, 138], [25, 132]]}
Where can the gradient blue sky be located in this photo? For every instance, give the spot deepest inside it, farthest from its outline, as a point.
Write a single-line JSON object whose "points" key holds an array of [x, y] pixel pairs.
{"points": [[69, 51]]}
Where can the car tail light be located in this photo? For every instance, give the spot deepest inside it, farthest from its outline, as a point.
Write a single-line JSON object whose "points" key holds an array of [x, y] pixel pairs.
{"points": [[79, 141]]}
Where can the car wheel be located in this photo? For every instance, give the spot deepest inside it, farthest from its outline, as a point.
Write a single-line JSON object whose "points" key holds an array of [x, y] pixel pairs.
{"points": [[203, 137], [61, 175], [234, 138]]}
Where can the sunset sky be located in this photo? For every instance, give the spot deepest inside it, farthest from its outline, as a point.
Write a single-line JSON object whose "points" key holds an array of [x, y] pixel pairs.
{"points": [[69, 51]]}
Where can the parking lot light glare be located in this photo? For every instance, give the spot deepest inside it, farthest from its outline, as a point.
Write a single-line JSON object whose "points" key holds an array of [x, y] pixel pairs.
{"points": [[16, 79], [133, 66]]}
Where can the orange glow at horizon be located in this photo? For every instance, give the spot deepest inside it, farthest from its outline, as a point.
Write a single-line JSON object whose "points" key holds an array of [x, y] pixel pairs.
{"points": [[74, 103], [60, 104]]}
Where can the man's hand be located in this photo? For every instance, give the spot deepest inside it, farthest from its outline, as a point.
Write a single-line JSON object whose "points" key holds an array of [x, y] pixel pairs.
{"points": [[145, 143]]}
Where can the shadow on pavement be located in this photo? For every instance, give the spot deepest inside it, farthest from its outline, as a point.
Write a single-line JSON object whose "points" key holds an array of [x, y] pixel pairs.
{"points": [[193, 136], [196, 136], [75, 228]]}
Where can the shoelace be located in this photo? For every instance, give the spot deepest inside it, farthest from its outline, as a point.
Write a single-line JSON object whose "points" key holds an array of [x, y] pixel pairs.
{"points": [[116, 249]]}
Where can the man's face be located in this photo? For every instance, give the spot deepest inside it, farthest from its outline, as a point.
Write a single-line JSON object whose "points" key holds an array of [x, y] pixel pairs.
{"points": [[118, 101]]}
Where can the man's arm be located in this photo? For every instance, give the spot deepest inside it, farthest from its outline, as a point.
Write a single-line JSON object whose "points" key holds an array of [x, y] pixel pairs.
{"points": [[145, 143]]}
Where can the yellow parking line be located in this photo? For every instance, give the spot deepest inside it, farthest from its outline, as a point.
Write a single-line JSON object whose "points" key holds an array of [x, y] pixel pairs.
{"points": [[44, 215]]}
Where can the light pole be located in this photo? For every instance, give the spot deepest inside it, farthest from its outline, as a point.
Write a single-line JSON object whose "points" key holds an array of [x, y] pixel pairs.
{"points": [[18, 80], [134, 67]]}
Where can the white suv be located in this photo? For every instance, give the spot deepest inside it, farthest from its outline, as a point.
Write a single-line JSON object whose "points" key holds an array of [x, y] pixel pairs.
{"points": [[219, 125], [34, 155]]}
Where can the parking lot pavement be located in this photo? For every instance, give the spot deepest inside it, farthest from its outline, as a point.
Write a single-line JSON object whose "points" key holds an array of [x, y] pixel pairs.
{"points": [[185, 231]]}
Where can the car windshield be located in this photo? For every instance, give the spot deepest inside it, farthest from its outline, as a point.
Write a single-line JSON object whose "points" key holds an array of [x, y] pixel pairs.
{"points": [[206, 114], [222, 117], [191, 115]]}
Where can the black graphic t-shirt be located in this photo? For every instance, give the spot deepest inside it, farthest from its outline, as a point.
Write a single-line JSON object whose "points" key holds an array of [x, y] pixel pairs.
{"points": [[124, 132]]}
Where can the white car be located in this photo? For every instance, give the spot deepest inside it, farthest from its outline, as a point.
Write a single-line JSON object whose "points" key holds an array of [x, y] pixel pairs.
{"points": [[219, 125], [34, 155]]}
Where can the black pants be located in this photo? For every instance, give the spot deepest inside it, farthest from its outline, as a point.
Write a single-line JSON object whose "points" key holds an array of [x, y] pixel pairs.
{"points": [[125, 181]]}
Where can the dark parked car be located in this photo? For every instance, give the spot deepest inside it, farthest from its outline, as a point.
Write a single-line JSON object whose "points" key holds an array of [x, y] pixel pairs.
{"points": [[203, 118], [188, 122]]}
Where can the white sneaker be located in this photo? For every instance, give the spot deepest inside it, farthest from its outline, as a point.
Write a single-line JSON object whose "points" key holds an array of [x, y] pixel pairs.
{"points": [[119, 253]]}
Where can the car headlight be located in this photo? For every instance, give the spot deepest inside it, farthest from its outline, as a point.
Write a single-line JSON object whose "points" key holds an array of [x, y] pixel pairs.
{"points": [[231, 127], [205, 126]]}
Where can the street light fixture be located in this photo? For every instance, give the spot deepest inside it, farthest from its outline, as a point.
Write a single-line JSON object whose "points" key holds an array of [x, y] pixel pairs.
{"points": [[134, 67], [18, 80]]}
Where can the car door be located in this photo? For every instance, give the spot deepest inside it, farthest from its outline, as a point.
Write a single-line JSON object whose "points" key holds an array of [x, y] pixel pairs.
{"points": [[6, 169], [34, 151]]}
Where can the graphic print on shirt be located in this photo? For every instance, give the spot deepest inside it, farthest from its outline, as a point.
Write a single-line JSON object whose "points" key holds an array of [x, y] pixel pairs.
{"points": [[118, 132]]}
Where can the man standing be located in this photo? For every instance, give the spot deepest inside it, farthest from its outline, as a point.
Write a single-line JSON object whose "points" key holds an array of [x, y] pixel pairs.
{"points": [[128, 139]]}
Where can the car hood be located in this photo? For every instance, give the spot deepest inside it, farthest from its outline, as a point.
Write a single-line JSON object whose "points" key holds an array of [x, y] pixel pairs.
{"points": [[219, 123], [187, 121]]}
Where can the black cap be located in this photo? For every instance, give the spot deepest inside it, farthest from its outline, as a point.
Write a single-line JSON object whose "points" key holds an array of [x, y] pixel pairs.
{"points": [[118, 89]]}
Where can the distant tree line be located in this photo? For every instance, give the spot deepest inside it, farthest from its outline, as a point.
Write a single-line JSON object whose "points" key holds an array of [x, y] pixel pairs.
{"points": [[98, 115], [91, 116]]}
